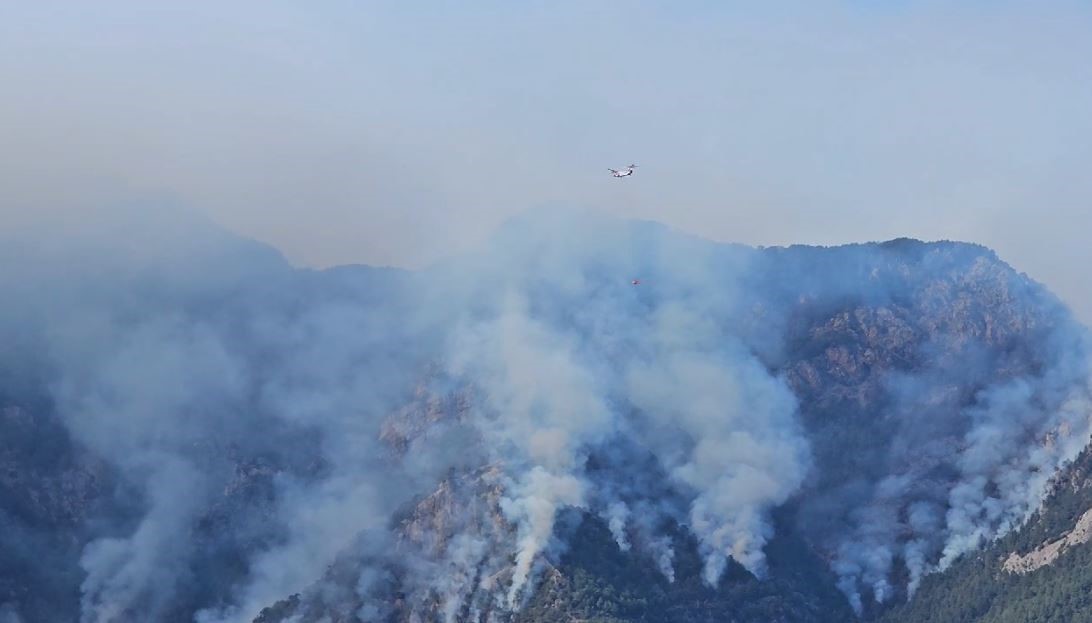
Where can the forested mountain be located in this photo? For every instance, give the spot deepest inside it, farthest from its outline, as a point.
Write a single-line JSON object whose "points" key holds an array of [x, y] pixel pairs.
{"points": [[194, 430], [1054, 585]]}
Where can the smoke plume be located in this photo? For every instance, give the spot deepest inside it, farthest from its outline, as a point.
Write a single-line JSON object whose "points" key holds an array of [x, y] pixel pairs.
{"points": [[358, 433]]}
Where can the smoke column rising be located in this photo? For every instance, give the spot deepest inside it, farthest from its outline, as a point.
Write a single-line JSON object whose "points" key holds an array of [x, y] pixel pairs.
{"points": [[230, 388]]}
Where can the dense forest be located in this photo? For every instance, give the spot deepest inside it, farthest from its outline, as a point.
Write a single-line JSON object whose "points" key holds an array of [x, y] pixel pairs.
{"points": [[977, 590], [597, 583]]}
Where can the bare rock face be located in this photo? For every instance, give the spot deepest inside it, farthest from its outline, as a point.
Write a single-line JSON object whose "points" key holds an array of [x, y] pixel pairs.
{"points": [[425, 409], [49, 490], [49, 484], [1049, 552], [1064, 524], [1040, 571]]}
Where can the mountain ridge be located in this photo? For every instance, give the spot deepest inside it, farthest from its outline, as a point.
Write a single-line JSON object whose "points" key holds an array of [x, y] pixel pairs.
{"points": [[864, 379]]}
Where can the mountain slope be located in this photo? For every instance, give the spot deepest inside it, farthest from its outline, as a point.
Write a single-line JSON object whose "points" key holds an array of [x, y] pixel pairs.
{"points": [[890, 350], [980, 589], [520, 434]]}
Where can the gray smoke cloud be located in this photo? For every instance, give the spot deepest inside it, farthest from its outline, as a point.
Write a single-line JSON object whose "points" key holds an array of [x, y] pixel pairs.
{"points": [[1021, 434], [129, 405], [542, 412], [742, 451], [183, 357], [621, 367], [358, 432], [979, 430]]}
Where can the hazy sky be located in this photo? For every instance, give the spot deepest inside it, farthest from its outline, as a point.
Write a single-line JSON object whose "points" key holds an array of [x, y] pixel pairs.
{"points": [[398, 132]]}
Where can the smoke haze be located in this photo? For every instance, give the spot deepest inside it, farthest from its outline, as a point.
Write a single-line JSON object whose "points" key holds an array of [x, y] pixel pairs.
{"points": [[261, 424], [245, 426], [325, 132]]}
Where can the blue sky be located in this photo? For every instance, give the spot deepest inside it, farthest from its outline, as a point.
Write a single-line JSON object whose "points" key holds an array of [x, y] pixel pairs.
{"points": [[399, 133]]}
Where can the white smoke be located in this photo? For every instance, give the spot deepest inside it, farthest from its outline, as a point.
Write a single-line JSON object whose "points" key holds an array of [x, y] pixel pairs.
{"points": [[136, 573], [651, 407], [541, 413], [145, 403], [617, 516], [1021, 435], [325, 520], [8, 614], [725, 430], [1017, 434], [924, 521]]}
